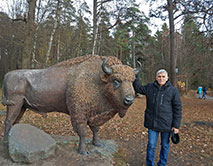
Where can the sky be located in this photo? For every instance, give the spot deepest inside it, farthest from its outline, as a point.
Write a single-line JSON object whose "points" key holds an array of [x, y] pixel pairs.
{"points": [[143, 5]]}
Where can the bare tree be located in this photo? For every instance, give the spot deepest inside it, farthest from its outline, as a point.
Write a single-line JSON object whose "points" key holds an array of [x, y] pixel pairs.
{"points": [[39, 20], [98, 7], [170, 8], [57, 16], [95, 20]]}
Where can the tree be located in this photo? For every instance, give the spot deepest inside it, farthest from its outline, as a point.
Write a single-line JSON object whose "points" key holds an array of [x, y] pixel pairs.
{"points": [[115, 9], [131, 34], [121, 36], [98, 7], [105, 41], [170, 8], [176, 9], [201, 10], [56, 22], [82, 31], [10, 46], [40, 15], [196, 54], [29, 32]]}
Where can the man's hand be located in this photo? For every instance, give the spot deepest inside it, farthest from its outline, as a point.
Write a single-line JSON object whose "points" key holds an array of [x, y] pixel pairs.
{"points": [[175, 130]]}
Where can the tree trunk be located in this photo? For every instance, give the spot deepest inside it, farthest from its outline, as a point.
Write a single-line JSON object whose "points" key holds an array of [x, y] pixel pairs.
{"points": [[34, 61], [51, 42], [27, 48], [172, 53], [53, 33], [95, 31], [133, 50], [35, 38], [58, 51]]}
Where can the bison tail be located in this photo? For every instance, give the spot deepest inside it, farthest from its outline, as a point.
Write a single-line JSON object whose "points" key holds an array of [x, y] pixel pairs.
{"points": [[4, 100]]}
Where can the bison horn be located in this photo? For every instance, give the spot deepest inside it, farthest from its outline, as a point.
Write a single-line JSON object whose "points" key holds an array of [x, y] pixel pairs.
{"points": [[137, 70], [106, 69]]}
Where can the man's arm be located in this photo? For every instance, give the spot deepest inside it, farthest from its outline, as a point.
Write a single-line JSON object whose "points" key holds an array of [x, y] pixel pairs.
{"points": [[138, 87], [177, 111]]}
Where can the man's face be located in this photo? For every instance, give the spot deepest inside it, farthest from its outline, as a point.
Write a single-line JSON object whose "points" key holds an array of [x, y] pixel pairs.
{"points": [[161, 78]]}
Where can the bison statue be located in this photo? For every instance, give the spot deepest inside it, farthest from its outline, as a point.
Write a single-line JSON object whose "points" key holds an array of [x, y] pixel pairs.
{"points": [[91, 89]]}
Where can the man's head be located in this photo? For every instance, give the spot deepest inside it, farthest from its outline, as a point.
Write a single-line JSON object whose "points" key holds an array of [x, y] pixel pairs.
{"points": [[162, 76]]}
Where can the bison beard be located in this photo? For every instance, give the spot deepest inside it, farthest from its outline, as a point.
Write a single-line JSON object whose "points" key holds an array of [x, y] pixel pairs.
{"points": [[91, 89]]}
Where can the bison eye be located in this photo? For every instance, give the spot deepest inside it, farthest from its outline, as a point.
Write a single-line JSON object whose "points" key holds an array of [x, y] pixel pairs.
{"points": [[116, 84]]}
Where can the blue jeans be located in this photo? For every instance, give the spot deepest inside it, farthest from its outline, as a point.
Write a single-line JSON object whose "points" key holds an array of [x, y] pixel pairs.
{"points": [[150, 153]]}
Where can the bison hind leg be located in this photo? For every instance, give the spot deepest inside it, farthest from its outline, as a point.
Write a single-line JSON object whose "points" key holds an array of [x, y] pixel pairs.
{"points": [[14, 114], [23, 109], [95, 139]]}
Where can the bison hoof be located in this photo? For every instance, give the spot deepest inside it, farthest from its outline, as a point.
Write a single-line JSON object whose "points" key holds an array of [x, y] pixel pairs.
{"points": [[98, 144], [83, 152], [6, 143]]}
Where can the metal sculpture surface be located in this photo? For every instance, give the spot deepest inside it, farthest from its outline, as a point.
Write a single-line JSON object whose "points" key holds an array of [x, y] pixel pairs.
{"points": [[91, 89]]}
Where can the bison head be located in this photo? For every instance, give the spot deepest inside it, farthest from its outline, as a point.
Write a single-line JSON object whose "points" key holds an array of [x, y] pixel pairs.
{"points": [[119, 89]]}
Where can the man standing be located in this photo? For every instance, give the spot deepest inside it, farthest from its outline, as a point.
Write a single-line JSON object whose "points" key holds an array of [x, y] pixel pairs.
{"points": [[163, 113]]}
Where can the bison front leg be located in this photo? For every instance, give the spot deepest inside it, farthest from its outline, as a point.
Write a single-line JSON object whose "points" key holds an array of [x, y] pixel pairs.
{"points": [[95, 139], [81, 130]]}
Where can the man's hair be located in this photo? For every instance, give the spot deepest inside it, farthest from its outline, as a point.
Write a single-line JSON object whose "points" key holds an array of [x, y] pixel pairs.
{"points": [[161, 71]]}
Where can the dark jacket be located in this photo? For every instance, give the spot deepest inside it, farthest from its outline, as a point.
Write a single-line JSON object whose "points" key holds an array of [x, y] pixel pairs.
{"points": [[163, 105]]}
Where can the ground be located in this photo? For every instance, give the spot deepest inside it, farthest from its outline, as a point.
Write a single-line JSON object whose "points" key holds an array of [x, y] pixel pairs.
{"points": [[196, 133]]}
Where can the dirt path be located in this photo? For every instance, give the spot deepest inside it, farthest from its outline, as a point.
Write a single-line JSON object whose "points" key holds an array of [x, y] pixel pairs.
{"points": [[196, 132], [207, 97]]}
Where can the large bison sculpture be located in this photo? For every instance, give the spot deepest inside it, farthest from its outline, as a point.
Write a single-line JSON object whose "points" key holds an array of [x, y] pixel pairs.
{"points": [[91, 89]]}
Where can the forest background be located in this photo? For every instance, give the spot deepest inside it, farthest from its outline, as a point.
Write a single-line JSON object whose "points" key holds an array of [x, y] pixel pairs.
{"points": [[39, 33]]}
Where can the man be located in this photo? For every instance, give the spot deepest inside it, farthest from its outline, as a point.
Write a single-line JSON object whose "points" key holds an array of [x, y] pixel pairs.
{"points": [[163, 113]]}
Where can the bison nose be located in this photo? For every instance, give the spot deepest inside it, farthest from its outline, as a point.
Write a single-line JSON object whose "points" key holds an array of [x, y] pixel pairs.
{"points": [[128, 100]]}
